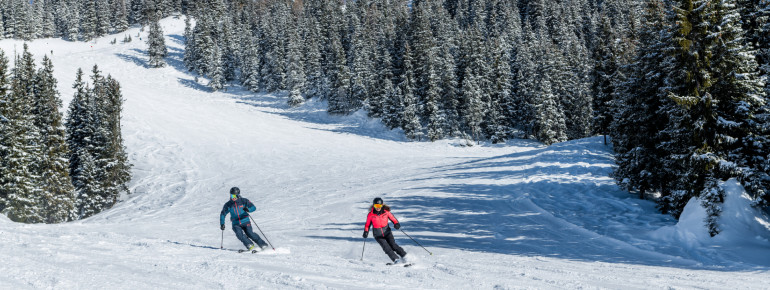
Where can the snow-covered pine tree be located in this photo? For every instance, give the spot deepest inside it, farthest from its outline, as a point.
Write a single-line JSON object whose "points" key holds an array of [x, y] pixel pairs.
{"points": [[119, 12], [447, 33], [103, 15], [296, 71], [58, 200], [136, 12], [72, 28], [80, 128], [250, 66], [189, 45], [411, 122], [546, 117], [498, 127], [312, 58], [89, 200], [215, 70], [19, 179], [635, 126], [203, 45], [150, 8], [113, 166], [340, 90], [156, 44], [99, 166], [361, 70], [713, 83], [475, 83], [229, 42], [90, 20], [473, 112], [383, 77], [604, 74], [436, 117], [393, 109], [567, 75]]}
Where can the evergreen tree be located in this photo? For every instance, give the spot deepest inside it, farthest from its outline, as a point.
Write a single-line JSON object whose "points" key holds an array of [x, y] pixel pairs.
{"points": [[250, 69], [339, 97], [215, 70], [498, 127], [605, 72], [296, 79], [312, 60], [411, 122], [189, 45], [80, 124], [474, 106], [156, 44], [99, 166], [638, 120], [712, 83], [58, 193], [20, 151]]}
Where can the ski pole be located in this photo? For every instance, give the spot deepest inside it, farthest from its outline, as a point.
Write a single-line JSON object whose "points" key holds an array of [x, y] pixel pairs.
{"points": [[260, 230], [417, 242], [362, 251], [222, 243]]}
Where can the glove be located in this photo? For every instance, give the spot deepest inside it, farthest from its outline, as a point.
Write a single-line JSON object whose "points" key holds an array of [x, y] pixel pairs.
{"points": [[366, 234], [222, 226], [397, 226]]}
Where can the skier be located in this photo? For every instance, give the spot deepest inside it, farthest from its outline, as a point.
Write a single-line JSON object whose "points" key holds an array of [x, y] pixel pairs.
{"points": [[239, 208], [378, 218]]}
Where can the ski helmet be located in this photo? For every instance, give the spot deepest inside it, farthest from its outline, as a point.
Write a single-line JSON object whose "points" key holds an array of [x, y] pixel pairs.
{"points": [[235, 191], [377, 200]]}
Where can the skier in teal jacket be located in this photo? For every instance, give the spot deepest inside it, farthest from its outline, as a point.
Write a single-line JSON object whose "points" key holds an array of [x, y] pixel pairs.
{"points": [[239, 207]]}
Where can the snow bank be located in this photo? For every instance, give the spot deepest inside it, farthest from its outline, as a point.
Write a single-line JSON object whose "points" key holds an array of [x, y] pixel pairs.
{"points": [[745, 230]]}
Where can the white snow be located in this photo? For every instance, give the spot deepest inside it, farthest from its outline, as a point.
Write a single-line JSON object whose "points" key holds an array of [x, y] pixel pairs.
{"points": [[518, 215]]}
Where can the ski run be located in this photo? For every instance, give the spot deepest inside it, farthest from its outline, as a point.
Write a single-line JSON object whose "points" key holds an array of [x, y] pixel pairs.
{"points": [[507, 216]]}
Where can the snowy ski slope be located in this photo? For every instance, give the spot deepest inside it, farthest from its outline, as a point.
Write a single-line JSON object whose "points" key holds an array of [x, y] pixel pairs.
{"points": [[518, 215]]}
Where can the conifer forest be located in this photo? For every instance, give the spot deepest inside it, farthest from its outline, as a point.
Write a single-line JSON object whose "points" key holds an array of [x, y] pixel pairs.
{"points": [[679, 88]]}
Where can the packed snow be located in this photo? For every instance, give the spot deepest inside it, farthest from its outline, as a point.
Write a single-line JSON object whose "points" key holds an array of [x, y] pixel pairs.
{"points": [[505, 216]]}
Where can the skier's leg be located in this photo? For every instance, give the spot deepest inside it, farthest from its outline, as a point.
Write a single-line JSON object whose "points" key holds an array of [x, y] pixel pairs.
{"points": [[253, 236], [238, 229], [386, 247], [393, 245]]}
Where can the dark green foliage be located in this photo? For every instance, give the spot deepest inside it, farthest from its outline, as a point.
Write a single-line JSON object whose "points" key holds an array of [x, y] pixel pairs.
{"points": [[156, 44], [693, 113], [35, 185], [99, 164]]}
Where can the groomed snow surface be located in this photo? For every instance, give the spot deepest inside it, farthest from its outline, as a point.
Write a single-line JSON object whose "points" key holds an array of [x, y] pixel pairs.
{"points": [[518, 215]]}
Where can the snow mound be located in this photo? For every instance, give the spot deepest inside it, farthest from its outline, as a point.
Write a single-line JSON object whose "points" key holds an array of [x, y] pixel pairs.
{"points": [[745, 230]]}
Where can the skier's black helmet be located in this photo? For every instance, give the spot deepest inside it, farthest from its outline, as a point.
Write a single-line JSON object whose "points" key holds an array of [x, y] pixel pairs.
{"points": [[377, 200], [235, 191]]}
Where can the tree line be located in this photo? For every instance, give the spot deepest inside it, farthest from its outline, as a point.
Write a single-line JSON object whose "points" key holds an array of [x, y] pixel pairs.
{"points": [[54, 169], [678, 85]]}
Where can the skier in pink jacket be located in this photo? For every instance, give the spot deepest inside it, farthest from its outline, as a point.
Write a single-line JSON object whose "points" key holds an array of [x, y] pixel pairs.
{"points": [[378, 217]]}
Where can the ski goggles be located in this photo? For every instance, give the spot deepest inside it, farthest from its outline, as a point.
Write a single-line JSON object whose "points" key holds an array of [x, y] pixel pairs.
{"points": [[233, 196], [377, 206]]}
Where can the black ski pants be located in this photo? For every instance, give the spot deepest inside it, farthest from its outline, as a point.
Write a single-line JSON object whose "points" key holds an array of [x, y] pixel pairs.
{"points": [[244, 233], [389, 245]]}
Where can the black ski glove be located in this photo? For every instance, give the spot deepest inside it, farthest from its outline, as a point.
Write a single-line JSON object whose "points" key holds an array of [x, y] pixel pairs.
{"points": [[222, 226], [366, 234], [397, 226]]}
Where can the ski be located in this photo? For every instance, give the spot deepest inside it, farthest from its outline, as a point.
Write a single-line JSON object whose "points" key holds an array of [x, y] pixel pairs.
{"points": [[252, 251], [403, 265]]}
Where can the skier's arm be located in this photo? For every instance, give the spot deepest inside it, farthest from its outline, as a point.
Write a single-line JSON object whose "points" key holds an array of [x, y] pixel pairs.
{"points": [[392, 218], [368, 222], [223, 214], [250, 206]]}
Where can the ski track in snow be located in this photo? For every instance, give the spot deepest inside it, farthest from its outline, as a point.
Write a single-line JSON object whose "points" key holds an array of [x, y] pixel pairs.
{"points": [[511, 216]]}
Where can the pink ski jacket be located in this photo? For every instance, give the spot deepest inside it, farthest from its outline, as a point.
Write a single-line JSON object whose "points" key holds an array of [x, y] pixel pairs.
{"points": [[379, 222]]}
